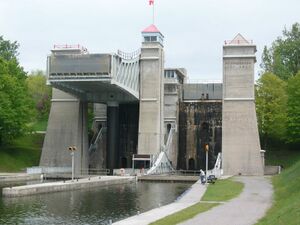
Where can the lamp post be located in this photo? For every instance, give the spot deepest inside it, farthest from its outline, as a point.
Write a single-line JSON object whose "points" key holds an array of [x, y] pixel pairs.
{"points": [[206, 165], [72, 149]]}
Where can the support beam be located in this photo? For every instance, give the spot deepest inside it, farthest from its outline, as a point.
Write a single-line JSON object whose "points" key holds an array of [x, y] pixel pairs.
{"points": [[67, 126], [113, 135]]}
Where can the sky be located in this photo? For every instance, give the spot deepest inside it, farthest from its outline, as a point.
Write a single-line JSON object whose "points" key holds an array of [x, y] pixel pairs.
{"points": [[194, 30]]}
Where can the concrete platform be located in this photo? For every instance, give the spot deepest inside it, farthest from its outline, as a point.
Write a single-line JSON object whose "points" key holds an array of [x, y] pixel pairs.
{"points": [[190, 197], [65, 186], [16, 177], [168, 178]]}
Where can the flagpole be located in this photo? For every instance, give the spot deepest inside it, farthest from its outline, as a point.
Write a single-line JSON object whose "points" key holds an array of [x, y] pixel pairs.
{"points": [[153, 14]]}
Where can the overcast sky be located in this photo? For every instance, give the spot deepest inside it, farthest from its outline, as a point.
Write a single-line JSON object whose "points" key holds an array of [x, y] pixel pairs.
{"points": [[194, 30]]}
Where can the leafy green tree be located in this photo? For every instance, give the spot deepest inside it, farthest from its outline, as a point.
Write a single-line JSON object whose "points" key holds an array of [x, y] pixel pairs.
{"points": [[271, 101], [15, 102], [293, 125], [8, 50], [40, 92], [283, 57]]}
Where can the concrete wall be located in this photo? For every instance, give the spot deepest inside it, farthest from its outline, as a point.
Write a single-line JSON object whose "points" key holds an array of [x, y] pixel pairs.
{"points": [[67, 126], [79, 63], [151, 122], [240, 138], [272, 170], [172, 96], [200, 123]]}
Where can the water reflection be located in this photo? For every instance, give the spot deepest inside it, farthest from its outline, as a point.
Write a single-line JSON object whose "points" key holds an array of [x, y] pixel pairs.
{"points": [[92, 206]]}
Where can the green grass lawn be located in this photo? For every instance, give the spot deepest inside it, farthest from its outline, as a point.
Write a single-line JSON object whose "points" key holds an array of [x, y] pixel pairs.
{"points": [[21, 153], [185, 214], [286, 206], [222, 190], [39, 124]]}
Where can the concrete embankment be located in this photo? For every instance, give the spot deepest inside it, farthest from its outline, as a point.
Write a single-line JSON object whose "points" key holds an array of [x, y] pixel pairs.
{"points": [[16, 177], [168, 178], [190, 197], [65, 186]]}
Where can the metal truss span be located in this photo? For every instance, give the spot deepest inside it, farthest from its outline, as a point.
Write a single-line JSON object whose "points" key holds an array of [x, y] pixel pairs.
{"points": [[95, 77], [126, 71]]}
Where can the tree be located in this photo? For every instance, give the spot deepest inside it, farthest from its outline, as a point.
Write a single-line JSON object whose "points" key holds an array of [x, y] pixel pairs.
{"points": [[271, 101], [293, 125], [15, 102], [40, 92], [8, 50], [283, 57]]}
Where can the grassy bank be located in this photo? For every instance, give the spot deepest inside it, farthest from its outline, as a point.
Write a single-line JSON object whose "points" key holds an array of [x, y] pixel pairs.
{"points": [[40, 124], [222, 190], [286, 207], [21, 153]]}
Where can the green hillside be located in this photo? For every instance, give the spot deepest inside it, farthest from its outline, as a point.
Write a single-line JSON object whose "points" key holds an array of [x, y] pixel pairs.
{"points": [[286, 206], [21, 153]]}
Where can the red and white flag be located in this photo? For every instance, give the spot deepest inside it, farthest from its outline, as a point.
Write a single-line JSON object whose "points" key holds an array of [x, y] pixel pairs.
{"points": [[151, 2]]}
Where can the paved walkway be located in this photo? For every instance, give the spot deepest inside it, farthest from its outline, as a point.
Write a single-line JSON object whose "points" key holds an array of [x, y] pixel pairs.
{"points": [[246, 209], [192, 196]]}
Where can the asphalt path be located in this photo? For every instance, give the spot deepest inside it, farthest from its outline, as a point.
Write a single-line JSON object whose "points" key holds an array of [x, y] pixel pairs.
{"points": [[246, 209]]}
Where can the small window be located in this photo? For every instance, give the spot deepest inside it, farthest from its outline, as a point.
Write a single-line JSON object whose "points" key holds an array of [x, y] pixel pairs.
{"points": [[153, 38], [147, 39], [171, 74]]}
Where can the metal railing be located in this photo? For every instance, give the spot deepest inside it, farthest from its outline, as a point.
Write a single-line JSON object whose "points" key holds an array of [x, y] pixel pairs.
{"points": [[96, 138], [90, 171], [71, 47], [237, 42], [48, 170], [204, 81], [169, 140], [131, 55]]}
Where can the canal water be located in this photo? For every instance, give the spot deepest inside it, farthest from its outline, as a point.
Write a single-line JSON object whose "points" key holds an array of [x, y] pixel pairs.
{"points": [[89, 206]]}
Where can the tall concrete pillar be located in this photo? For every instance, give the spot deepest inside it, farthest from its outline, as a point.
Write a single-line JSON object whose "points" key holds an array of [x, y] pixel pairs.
{"points": [[151, 119], [240, 138], [67, 126], [112, 135]]}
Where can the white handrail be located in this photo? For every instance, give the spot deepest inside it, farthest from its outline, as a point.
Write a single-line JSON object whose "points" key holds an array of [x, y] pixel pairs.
{"points": [[161, 162], [99, 136]]}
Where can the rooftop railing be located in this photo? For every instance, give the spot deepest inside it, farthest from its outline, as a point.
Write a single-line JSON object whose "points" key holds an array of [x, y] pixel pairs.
{"points": [[203, 81], [70, 47], [238, 42], [131, 55]]}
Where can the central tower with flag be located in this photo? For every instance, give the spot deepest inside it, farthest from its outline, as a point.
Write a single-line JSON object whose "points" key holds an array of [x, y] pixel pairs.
{"points": [[151, 126]]}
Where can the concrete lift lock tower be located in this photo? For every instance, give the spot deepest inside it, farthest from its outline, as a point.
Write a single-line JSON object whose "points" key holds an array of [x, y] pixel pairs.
{"points": [[240, 138]]}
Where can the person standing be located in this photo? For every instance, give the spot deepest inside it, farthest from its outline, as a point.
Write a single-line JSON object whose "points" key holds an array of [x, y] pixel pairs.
{"points": [[202, 176]]}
